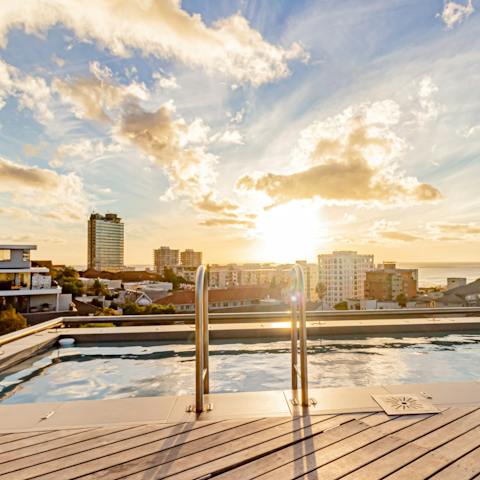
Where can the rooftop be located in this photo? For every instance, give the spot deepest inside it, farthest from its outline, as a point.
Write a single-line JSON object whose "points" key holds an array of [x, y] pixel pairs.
{"points": [[18, 247]]}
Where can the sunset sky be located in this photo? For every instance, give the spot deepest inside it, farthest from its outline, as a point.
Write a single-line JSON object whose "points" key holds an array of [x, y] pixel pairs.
{"points": [[251, 130]]}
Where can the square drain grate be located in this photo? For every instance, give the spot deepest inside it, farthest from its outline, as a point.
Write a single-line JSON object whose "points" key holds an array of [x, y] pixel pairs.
{"points": [[405, 404]]}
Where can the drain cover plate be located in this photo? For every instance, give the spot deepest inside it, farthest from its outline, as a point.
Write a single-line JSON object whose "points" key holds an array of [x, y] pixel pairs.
{"points": [[405, 404]]}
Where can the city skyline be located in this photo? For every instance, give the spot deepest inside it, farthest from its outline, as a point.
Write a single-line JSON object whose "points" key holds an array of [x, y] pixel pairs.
{"points": [[249, 131]]}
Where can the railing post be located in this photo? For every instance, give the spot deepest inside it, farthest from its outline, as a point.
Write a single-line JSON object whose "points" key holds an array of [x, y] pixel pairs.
{"points": [[299, 333], [202, 377]]}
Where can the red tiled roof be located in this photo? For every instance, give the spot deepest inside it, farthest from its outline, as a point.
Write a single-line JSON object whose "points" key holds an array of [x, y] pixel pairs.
{"points": [[183, 297]]}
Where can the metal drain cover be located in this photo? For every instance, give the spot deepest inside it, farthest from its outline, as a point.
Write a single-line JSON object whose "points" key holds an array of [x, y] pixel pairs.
{"points": [[405, 404]]}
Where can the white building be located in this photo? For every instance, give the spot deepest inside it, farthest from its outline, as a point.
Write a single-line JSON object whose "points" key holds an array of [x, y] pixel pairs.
{"points": [[28, 289], [343, 274]]}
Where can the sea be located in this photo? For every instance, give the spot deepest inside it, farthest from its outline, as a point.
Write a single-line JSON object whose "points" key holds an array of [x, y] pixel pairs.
{"points": [[436, 274]]}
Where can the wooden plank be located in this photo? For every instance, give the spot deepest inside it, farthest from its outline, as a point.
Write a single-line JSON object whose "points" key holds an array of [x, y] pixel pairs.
{"points": [[12, 437], [434, 461], [280, 457], [438, 429], [69, 466], [61, 447], [323, 456], [216, 460], [178, 447], [35, 439], [466, 467]]}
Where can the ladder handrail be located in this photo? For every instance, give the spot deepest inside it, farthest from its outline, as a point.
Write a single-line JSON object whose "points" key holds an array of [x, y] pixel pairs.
{"points": [[299, 333], [202, 377]]}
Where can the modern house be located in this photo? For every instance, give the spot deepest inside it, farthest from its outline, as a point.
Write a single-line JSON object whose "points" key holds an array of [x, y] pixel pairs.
{"points": [[28, 289]]}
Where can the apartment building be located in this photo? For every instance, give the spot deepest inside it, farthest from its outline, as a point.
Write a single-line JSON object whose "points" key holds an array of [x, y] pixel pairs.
{"points": [[27, 289], [105, 242], [343, 275], [165, 257], [190, 258], [387, 282]]}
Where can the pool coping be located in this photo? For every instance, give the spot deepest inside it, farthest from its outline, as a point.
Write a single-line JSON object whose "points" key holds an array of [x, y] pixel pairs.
{"points": [[172, 409]]}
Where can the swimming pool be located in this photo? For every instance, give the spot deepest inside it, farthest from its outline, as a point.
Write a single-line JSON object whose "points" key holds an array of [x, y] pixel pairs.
{"points": [[122, 370]]}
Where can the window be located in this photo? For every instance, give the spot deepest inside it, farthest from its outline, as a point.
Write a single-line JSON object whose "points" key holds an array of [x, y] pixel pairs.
{"points": [[26, 255], [5, 255]]}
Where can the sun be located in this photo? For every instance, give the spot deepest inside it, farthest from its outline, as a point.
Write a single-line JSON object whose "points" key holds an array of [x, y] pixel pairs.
{"points": [[289, 232]]}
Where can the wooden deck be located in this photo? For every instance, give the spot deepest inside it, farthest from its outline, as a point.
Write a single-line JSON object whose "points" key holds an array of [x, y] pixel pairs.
{"points": [[353, 446]]}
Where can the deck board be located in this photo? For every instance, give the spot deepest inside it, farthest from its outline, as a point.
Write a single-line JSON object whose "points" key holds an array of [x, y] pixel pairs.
{"points": [[352, 446]]}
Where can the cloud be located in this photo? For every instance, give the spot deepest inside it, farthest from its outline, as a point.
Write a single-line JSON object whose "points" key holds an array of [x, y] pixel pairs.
{"points": [[97, 96], [430, 109], [455, 13], [172, 144], [165, 82], [85, 149], [396, 235], [59, 61], [177, 146], [472, 131], [231, 137], [236, 117], [16, 213], [31, 92], [457, 228], [160, 28], [208, 203], [44, 191], [351, 158], [227, 222]]}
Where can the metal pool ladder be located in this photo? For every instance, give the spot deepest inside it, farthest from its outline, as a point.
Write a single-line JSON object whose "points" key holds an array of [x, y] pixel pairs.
{"points": [[202, 380], [299, 333]]}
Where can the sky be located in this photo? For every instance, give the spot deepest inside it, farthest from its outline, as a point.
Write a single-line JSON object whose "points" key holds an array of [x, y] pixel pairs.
{"points": [[250, 130]]}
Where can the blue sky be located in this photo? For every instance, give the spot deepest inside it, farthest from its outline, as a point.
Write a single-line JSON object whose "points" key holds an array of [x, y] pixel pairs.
{"points": [[251, 130]]}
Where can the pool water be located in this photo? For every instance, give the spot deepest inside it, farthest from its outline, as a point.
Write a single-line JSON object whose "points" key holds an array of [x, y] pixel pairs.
{"points": [[151, 369]]}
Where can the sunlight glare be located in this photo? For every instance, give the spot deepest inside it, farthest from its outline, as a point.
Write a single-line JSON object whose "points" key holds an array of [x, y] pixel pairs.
{"points": [[289, 232]]}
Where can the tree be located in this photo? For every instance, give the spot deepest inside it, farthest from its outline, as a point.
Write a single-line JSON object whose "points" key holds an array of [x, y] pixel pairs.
{"points": [[99, 289], [321, 290], [75, 287], [152, 309], [170, 276], [10, 321], [106, 312], [341, 306], [401, 299], [69, 279]]}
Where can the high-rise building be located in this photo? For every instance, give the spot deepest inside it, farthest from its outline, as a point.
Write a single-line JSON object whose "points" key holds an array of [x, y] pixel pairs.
{"points": [[342, 275], [105, 242], [387, 282], [165, 257], [189, 258]]}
